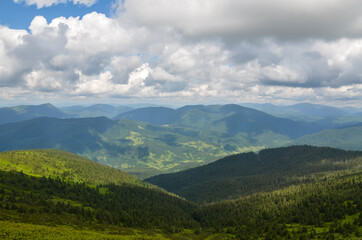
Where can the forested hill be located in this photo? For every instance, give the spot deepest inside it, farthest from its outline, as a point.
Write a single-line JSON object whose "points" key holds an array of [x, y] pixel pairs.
{"points": [[55, 188], [78, 201], [65, 165], [348, 138], [329, 206], [247, 173]]}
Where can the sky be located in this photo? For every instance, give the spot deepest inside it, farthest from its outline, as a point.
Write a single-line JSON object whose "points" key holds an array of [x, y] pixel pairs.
{"points": [[181, 51]]}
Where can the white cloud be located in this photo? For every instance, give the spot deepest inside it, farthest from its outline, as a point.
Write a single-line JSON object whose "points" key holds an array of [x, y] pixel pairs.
{"points": [[188, 55], [250, 18], [48, 3]]}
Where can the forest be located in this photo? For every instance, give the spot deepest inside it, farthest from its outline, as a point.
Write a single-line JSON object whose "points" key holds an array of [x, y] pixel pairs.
{"points": [[321, 204]]}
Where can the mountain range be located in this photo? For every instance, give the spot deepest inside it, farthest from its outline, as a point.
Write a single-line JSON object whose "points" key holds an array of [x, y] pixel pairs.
{"points": [[310, 112], [153, 140], [27, 112]]}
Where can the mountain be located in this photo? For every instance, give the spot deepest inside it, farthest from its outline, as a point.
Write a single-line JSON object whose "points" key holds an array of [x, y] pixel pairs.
{"points": [[26, 112], [303, 111], [97, 110], [348, 138], [227, 119], [316, 110], [153, 115], [248, 173], [74, 135], [141, 148], [176, 140]]}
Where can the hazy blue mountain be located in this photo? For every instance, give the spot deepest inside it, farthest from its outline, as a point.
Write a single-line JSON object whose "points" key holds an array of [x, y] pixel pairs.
{"points": [[227, 119], [74, 135], [153, 115], [254, 122], [125, 144], [302, 111], [349, 138], [148, 141], [26, 112], [316, 110], [265, 107], [138, 147], [352, 110], [97, 110], [248, 173], [143, 105]]}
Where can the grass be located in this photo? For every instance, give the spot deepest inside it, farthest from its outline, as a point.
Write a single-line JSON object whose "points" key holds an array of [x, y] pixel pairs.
{"points": [[16, 230], [57, 163], [12, 230]]}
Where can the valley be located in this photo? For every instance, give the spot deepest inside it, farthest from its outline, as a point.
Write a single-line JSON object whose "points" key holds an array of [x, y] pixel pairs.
{"points": [[180, 120], [64, 203], [195, 172], [154, 140]]}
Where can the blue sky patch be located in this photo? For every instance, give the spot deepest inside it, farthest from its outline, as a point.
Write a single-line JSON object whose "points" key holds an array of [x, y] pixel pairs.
{"points": [[19, 15]]}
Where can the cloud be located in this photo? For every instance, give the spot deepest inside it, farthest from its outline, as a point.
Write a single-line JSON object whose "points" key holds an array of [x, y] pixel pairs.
{"points": [[170, 55], [232, 19], [48, 3]]}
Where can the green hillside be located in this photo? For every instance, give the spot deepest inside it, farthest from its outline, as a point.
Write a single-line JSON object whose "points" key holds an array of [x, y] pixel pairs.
{"points": [[68, 166], [345, 138], [323, 202], [52, 201], [53, 187], [39, 201], [248, 173], [328, 206]]}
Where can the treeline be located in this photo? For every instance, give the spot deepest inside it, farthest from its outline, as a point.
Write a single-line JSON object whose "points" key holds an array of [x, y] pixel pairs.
{"points": [[249, 173], [326, 203], [296, 212], [54, 201], [306, 207]]}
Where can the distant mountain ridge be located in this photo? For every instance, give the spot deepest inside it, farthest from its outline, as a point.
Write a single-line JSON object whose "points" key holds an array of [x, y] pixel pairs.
{"points": [[348, 138], [26, 112], [230, 119], [305, 111], [152, 140], [96, 110], [123, 144]]}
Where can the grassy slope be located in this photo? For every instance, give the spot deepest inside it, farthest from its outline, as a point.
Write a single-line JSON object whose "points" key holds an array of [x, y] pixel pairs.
{"points": [[53, 163]]}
